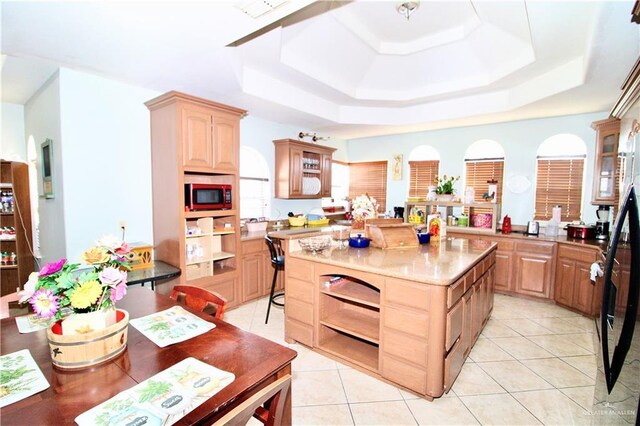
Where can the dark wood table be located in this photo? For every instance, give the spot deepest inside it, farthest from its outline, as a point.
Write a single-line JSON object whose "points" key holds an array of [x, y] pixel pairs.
{"points": [[256, 362]]}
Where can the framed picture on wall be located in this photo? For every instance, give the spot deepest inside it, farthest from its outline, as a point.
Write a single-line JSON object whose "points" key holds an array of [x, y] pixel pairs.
{"points": [[47, 168]]}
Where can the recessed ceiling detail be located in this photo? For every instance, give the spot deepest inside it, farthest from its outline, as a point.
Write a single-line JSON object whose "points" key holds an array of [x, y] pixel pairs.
{"points": [[343, 68]]}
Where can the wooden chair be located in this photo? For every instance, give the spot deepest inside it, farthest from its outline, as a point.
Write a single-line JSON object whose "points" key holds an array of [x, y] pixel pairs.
{"points": [[277, 260], [267, 405], [200, 299]]}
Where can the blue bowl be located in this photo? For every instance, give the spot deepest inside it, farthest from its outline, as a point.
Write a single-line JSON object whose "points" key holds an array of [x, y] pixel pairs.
{"points": [[359, 241], [424, 237]]}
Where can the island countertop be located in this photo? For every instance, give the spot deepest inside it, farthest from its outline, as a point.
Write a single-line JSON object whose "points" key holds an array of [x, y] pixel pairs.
{"points": [[436, 263]]}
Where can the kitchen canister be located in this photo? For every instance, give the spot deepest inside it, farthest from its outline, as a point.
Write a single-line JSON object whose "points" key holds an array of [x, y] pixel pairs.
{"points": [[463, 220]]}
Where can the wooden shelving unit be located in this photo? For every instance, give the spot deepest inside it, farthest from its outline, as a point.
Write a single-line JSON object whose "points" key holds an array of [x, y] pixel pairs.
{"points": [[350, 321], [14, 176], [195, 140], [456, 209]]}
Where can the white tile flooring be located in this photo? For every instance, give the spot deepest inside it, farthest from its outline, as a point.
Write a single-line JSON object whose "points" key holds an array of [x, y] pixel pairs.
{"points": [[533, 364]]}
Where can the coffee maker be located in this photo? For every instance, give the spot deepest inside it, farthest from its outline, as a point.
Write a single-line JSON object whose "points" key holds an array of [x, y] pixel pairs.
{"points": [[398, 212], [602, 224]]}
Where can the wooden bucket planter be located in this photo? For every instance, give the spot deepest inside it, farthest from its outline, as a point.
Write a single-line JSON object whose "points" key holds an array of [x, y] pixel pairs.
{"points": [[84, 350]]}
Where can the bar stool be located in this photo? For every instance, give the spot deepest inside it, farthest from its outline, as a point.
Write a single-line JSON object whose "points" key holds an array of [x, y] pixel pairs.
{"points": [[277, 260]]}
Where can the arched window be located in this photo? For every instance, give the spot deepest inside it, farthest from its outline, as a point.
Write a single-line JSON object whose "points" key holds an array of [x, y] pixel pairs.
{"points": [[424, 162], [560, 176], [484, 163], [254, 184]]}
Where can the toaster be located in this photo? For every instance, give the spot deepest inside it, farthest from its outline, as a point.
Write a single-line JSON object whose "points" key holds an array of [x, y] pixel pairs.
{"points": [[533, 228]]}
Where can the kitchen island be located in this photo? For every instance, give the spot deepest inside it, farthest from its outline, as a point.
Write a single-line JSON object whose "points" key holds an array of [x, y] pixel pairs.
{"points": [[409, 316]]}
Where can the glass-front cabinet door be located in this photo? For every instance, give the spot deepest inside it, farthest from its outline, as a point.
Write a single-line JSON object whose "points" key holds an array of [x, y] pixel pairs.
{"points": [[605, 175]]}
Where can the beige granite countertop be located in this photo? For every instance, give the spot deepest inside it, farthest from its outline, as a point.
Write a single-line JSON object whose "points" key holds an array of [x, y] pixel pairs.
{"points": [[563, 239], [438, 263]]}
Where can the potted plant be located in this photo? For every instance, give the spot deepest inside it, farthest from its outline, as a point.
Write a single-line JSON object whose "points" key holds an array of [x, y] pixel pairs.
{"points": [[83, 302], [444, 187]]}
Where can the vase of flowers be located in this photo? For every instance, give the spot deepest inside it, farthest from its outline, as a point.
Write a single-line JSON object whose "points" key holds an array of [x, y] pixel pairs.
{"points": [[363, 207], [444, 187], [83, 302]]}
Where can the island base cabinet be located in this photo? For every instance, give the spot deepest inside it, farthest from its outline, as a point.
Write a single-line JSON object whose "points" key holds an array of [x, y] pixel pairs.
{"points": [[414, 334]]}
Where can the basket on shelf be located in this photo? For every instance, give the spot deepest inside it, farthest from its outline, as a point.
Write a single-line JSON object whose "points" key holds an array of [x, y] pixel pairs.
{"points": [[481, 220]]}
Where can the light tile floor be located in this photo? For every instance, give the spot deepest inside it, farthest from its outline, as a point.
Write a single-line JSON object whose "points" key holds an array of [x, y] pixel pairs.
{"points": [[534, 363]]}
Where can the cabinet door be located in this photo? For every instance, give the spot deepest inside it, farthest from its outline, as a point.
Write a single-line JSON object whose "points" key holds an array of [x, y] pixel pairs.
{"points": [[225, 140], [252, 276], [565, 277], [326, 176], [533, 276], [295, 171], [584, 289], [504, 262], [197, 143], [604, 176]]}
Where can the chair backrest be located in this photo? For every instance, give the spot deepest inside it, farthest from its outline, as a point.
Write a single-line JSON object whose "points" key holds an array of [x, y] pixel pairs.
{"points": [[200, 299], [275, 250], [266, 405]]}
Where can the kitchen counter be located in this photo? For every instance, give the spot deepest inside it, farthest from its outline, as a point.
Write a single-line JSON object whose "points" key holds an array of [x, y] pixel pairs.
{"points": [[598, 244], [287, 233], [436, 263]]}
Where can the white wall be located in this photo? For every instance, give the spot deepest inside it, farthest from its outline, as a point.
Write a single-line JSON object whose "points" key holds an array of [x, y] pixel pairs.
{"points": [[42, 121], [106, 157], [520, 140], [259, 134], [13, 146]]}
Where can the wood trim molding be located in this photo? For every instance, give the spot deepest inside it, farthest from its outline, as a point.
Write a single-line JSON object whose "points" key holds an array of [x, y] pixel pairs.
{"points": [[630, 92]]}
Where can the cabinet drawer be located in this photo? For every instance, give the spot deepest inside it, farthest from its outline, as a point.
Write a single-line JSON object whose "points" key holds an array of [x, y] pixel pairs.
{"points": [[577, 253], [399, 293], [409, 322], [252, 246], [455, 292], [535, 247], [299, 290], [299, 269], [454, 325], [453, 364], [505, 244], [404, 374], [406, 347], [299, 311], [299, 332]]}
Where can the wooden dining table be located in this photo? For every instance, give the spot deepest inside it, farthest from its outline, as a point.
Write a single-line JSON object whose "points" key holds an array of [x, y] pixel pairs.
{"points": [[256, 362]]}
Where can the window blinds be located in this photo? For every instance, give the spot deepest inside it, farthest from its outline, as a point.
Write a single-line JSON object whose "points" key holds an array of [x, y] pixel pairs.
{"points": [[559, 182], [369, 178], [477, 173], [422, 175]]}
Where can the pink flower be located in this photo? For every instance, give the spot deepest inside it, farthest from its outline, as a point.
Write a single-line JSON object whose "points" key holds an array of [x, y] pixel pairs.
{"points": [[123, 249], [29, 287], [44, 303], [112, 276], [118, 292], [52, 268]]}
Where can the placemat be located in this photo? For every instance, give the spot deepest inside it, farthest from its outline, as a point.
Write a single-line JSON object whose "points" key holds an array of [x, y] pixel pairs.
{"points": [[171, 326]]}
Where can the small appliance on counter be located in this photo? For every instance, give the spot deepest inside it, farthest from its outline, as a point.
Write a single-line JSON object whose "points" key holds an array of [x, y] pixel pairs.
{"points": [[581, 231], [398, 212], [602, 224], [533, 228]]}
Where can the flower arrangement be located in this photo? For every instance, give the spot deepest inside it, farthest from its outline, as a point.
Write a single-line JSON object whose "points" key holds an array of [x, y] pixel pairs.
{"points": [[445, 184], [363, 207], [57, 290]]}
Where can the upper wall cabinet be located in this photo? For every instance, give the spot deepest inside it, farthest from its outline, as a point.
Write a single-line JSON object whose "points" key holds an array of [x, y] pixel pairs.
{"points": [[209, 133], [303, 170], [605, 185]]}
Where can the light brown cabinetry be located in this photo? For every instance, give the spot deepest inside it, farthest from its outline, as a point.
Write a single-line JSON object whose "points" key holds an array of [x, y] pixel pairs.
{"points": [[257, 270], [573, 286], [605, 186], [303, 170], [414, 334], [14, 180], [194, 140], [534, 268]]}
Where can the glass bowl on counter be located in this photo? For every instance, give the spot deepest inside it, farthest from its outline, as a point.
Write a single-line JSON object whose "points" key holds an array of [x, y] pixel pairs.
{"points": [[315, 244], [341, 234]]}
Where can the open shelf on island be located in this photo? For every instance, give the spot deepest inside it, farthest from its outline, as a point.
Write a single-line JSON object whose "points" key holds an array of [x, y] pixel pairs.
{"points": [[363, 326], [355, 350], [347, 288]]}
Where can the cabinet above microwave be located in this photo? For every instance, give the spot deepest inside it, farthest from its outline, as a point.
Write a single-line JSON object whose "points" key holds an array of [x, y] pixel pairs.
{"points": [[303, 170]]}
